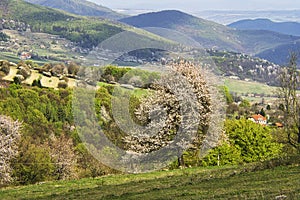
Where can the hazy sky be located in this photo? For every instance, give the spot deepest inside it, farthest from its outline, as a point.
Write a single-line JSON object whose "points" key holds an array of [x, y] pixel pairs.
{"points": [[200, 5]]}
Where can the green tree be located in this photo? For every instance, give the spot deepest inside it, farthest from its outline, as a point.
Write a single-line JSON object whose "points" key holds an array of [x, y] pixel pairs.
{"points": [[228, 96], [33, 165], [262, 112], [247, 142], [73, 68], [245, 103], [37, 83], [223, 155], [254, 141]]}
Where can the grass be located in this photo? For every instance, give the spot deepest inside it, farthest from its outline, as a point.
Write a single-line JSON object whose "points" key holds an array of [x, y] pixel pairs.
{"points": [[46, 81], [243, 87], [9, 56], [138, 92], [192, 183]]}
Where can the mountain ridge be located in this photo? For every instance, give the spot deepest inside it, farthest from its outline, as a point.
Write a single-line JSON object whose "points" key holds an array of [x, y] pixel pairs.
{"points": [[288, 28], [212, 35], [79, 7]]}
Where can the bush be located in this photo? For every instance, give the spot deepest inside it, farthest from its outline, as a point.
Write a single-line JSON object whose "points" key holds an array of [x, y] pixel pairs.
{"points": [[37, 83], [115, 73], [247, 142], [18, 79], [2, 74], [24, 71], [5, 67], [33, 165], [223, 155], [59, 69], [62, 84], [73, 68]]}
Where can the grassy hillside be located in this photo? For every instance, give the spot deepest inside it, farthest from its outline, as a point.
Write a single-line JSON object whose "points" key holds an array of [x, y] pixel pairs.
{"points": [[79, 7], [243, 87], [206, 32], [86, 32], [245, 67], [210, 34], [195, 183], [53, 35], [44, 47], [280, 54]]}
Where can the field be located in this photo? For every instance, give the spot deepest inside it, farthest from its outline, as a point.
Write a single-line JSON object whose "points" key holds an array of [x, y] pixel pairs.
{"points": [[243, 87], [46, 81], [138, 92], [191, 183]]}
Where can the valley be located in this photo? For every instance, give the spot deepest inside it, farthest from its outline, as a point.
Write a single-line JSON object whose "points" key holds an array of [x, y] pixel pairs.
{"points": [[166, 104]]}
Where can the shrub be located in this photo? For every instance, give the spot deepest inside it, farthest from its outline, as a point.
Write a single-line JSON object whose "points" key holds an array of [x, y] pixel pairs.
{"points": [[24, 71], [2, 74], [247, 142], [223, 155], [73, 68], [37, 83], [5, 67], [62, 84], [33, 165]]}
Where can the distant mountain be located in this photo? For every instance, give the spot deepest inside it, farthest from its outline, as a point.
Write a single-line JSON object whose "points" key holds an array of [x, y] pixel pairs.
{"points": [[207, 33], [289, 28], [210, 34], [79, 7], [230, 16], [280, 54]]}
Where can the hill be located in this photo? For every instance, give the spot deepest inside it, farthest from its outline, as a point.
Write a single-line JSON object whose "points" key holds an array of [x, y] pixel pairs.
{"points": [[280, 54], [243, 67], [79, 7], [86, 32], [81, 32], [231, 16], [210, 34], [195, 183], [288, 28], [203, 31]]}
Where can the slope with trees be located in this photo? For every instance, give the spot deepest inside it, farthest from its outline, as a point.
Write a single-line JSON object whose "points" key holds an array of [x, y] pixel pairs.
{"points": [[79, 7], [86, 32], [288, 28], [210, 34]]}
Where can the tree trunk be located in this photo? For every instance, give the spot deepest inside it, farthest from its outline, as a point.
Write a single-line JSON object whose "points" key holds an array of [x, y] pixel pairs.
{"points": [[298, 135], [180, 161]]}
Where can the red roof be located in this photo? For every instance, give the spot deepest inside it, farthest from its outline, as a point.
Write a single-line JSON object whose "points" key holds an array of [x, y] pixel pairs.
{"points": [[279, 125], [259, 117]]}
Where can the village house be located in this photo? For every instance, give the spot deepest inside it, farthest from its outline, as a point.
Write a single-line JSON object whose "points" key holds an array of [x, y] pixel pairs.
{"points": [[259, 119]]}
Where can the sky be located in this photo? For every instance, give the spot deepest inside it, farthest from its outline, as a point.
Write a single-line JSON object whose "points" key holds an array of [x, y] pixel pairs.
{"points": [[200, 5]]}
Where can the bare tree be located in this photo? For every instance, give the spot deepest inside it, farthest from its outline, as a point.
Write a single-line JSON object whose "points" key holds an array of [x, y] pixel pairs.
{"points": [[289, 83], [9, 137]]}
